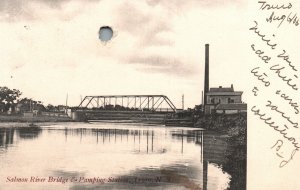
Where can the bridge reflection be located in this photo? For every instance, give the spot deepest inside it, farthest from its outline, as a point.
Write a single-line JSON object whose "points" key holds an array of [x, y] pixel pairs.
{"points": [[206, 142]]}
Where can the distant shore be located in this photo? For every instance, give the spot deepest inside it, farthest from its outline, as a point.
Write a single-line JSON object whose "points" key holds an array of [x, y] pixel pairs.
{"points": [[39, 118], [29, 124], [21, 121]]}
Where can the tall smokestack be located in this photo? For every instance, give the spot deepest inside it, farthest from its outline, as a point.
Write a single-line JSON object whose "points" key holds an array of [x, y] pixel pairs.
{"points": [[206, 75]]}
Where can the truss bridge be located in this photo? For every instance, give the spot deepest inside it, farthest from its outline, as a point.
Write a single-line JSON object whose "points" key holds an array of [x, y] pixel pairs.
{"points": [[126, 108], [157, 103]]}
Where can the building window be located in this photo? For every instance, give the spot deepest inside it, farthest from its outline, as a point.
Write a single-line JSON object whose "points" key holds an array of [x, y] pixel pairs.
{"points": [[212, 100], [229, 100]]}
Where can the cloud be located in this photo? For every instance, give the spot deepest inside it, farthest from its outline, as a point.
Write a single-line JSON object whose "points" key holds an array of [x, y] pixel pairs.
{"points": [[145, 23], [163, 64], [183, 4], [18, 10], [152, 31], [12, 9], [157, 35], [147, 39]]}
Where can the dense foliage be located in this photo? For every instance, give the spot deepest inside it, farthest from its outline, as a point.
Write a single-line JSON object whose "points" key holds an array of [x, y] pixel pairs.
{"points": [[8, 98]]}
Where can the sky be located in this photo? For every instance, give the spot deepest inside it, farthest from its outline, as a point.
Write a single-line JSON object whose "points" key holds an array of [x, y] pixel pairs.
{"points": [[50, 48]]}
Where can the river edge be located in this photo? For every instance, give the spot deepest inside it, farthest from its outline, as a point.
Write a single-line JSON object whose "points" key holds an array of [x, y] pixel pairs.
{"points": [[34, 124], [235, 126]]}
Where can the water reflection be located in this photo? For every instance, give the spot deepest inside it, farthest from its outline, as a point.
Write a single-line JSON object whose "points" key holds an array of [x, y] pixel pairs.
{"points": [[29, 132], [122, 135], [6, 137], [181, 157]]}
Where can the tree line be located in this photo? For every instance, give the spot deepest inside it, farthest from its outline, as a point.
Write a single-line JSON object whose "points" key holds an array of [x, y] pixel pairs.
{"points": [[11, 100]]}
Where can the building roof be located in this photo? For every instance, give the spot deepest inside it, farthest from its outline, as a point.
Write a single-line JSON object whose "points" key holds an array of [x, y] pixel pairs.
{"points": [[240, 106], [221, 89], [236, 93]]}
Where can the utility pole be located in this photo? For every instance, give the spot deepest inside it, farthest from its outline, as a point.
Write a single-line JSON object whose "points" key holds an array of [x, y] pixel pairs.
{"points": [[182, 101], [66, 103]]}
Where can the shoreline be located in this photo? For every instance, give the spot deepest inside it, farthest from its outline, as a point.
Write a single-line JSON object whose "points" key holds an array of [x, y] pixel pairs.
{"points": [[15, 124], [8, 124]]}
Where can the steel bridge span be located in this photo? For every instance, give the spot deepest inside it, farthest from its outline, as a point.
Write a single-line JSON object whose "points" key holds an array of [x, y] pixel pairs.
{"points": [[128, 108], [154, 103]]}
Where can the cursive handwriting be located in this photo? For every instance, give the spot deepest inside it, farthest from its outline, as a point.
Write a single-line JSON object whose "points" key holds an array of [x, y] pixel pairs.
{"points": [[284, 162], [275, 108], [291, 19], [261, 77], [278, 70], [278, 145], [278, 110], [287, 59], [265, 58], [280, 142], [255, 90], [262, 36], [286, 97], [273, 125], [267, 6]]}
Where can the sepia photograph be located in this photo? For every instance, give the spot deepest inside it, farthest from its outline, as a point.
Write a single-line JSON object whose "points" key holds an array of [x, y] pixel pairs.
{"points": [[150, 94]]}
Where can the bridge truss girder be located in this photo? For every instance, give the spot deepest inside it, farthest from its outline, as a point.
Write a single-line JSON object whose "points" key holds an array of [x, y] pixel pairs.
{"points": [[136, 102]]}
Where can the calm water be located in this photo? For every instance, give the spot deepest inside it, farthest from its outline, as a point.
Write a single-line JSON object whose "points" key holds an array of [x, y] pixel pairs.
{"points": [[111, 156]]}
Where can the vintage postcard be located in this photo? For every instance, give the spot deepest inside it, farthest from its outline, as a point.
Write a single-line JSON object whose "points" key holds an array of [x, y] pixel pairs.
{"points": [[149, 94]]}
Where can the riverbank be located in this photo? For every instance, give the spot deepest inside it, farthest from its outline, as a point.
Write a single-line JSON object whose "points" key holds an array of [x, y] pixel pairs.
{"points": [[21, 121], [30, 124], [223, 123], [235, 127], [39, 118]]}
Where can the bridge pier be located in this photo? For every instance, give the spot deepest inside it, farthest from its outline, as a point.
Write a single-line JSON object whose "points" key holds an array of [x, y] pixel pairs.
{"points": [[79, 116]]}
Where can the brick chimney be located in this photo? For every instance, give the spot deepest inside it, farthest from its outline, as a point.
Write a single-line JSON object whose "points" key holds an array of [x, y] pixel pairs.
{"points": [[206, 75]]}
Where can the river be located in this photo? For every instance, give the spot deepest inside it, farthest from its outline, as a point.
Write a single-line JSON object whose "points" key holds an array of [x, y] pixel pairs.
{"points": [[111, 156]]}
